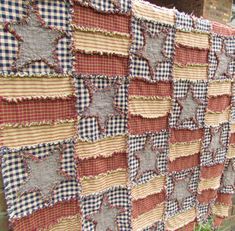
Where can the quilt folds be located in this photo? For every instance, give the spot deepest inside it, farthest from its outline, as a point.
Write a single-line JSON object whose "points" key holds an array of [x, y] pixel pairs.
{"points": [[115, 115]]}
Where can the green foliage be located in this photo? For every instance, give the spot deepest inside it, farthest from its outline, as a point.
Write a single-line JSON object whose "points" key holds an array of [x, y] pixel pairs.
{"points": [[205, 227]]}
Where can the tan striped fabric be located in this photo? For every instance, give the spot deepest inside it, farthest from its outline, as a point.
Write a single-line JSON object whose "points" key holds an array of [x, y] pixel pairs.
{"points": [[214, 119], [211, 183], [219, 88], [220, 210]]}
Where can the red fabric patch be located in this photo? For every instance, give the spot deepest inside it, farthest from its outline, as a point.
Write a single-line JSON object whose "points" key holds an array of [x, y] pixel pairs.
{"points": [[95, 166], [208, 172], [141, 87], [222, 29], [207, 195], [37, 110], [87, 17], [101, 64], [219, 103], [188, 227], [232, 138], [139, 125], [218, 221], [185, 162], [185, 135], [225, 199], [146, 204], [42, 218], [185, 55]]}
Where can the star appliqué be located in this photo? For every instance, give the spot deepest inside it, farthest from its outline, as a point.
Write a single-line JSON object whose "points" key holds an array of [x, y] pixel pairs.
{"points": [[106, 218], [181, 191], [189, 106], [153, 49], [216, 142], [148, 158], [229, 176], [44, 174], [102, 105], [36, 41], [224, 59]]}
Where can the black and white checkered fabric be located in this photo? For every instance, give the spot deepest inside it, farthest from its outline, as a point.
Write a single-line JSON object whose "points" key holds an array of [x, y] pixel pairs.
{"points": [[158, 226], [55, 14], [180, 91], [136, 143], [183, 21], [139, 66], [15, 175], [117, 196], [88, 127], [202, 25], [189, 202], [203, 212], [206, 156], [107, 5], [233, 103]]}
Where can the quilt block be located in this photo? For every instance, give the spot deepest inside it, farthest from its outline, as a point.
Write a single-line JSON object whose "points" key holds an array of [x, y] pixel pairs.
{"points": [[115, 115]]}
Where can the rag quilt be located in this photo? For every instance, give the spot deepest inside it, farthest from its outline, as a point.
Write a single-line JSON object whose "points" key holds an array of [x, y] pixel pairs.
{"points": [[115, 115]]}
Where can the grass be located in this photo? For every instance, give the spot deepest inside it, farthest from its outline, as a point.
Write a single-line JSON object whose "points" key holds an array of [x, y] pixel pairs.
{"points": [[205, 227]]}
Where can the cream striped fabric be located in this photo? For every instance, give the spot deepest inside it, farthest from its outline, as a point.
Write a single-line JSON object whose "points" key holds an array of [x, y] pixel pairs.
{"points": [[220, 210], [27, 87], [211, 183], [143, 10], [151, 187], [191, 39], [101, 42], [190, 72], [219, 88], [14, 137], [104, 181], [231, 151], [149, 108], [148, 218], [105, 147], [214, 119]]}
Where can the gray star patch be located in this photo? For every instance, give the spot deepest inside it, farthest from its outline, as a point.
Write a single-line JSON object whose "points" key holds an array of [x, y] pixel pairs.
{"points": [[189, 106], [43, 174], [148, 158], [223, 62], [181, 191], [36, 42], [102, 105], [153, 50], [229, 176], [106, 218]]}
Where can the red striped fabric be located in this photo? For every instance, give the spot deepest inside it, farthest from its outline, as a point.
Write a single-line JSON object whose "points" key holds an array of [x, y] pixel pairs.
{"points": [[185, 162], [185, 135], [37, 110], [146, 204], [95, 166], [224, 198], [211, 171], [222, 29], [144, 88], [219, 103], [232, 138], [87, 17], [188, 227], [42, 218], [207, 195], [186, 55], [139, 125], [101, 64]]}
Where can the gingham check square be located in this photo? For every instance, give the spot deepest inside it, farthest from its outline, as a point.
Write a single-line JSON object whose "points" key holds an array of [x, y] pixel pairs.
{"points": [[158, 226], [117, 196], [203, 212], [233, 102], [202, 25], [88, 127], [55, 14], [136, 143], [183, 21], [107, 5], [171, 206], [180, 91], [206, 157], [139, 66], [15, 175]]}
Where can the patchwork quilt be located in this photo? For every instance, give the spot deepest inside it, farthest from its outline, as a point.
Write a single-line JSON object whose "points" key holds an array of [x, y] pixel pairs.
{"points": [[116, 115]]}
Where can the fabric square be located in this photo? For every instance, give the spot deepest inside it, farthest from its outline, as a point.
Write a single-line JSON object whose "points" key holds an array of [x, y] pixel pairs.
{"points": [[181, 191], [107, 6], [102, 105], [39, 176], [53, 18], [189, 104], [112, 205], [233, 102], [221, 58], [151, 63], [203, 212], [158, 226], [215, 144], [183, 21], [202, 25], [144, 149]]}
